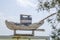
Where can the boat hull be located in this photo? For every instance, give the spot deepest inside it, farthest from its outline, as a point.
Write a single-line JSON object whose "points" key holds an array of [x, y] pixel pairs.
{"points": [[13, 26]]}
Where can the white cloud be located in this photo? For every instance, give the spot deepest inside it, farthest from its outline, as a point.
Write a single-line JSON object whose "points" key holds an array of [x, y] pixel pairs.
{"points": [[25, 3]]}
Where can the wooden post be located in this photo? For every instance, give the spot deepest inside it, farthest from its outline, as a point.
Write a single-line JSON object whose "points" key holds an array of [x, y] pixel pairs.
{"points": [[33, 32], [14, 32]]}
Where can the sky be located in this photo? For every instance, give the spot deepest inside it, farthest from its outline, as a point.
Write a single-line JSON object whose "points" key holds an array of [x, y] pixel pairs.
{"points": [[11, 9]]}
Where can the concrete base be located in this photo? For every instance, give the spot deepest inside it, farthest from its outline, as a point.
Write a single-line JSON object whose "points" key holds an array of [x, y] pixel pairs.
{"points": [[24, 38]]}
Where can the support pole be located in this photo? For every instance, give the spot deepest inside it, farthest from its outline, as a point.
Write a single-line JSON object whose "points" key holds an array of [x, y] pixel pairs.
{"points": [[14, 32], [33, 32]]}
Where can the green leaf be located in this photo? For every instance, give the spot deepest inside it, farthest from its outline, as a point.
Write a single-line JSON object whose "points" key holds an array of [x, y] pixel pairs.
{"points": [[58, 11]]}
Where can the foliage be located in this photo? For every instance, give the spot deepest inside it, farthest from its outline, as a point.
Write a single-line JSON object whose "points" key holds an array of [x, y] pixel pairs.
{"points": [[48, 4], [55, 34]]}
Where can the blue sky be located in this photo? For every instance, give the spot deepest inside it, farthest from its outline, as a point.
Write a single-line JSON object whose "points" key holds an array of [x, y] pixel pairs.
{"points": [[11, 9]]}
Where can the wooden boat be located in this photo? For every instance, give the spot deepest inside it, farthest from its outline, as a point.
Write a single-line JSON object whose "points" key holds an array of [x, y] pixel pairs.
{"points": [[18, 26]]}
